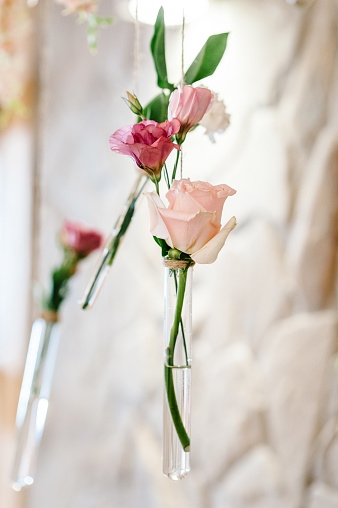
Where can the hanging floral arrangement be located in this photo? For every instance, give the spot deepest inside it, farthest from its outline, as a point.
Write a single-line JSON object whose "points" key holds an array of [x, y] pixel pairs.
{"points": [[188, 229], [77, 243], [173, 113]]}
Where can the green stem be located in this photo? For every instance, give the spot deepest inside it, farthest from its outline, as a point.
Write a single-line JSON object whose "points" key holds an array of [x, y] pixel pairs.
{"points": [[166, 176], [168, 373], [182, 327], [175, 166], [59, 284]]}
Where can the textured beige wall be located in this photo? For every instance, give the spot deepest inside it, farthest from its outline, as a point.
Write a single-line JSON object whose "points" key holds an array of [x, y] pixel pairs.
{"points": [[265, 401]]}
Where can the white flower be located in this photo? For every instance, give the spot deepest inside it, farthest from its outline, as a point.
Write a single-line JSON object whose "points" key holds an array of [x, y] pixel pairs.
{"points": [[216, 119]]}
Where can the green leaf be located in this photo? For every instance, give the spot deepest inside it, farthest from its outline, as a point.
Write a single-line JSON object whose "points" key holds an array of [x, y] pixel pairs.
{"points": [[104, 21], [162, 243], [207, 59], [157, 47], [157, 109]]}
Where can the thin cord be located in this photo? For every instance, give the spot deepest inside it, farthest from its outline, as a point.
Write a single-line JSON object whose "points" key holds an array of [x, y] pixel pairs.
{"points": [[136, 51], [182, 52], [42, 54], [182, 78]]}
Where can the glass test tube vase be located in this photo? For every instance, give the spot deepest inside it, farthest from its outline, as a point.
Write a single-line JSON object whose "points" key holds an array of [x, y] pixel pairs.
{"points": [[34, 398], [177, 368]]}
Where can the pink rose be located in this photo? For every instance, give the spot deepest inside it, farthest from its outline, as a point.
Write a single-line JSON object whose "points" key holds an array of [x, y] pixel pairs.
{"points": [[76, 237], [192, 221], [147, 142], [189, 107]]}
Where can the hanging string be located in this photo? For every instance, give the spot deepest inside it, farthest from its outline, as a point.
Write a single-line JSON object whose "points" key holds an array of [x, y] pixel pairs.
{"points": [[182, 48], [182, 78], [42, 56], [136, 51]]}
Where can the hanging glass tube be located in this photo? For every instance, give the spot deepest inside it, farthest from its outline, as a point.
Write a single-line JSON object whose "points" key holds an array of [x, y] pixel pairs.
{"points": [[34, 398], [112, 244], [177, 368]]}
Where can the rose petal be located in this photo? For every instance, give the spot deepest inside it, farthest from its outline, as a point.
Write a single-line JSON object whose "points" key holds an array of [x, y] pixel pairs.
{"points": [[213, 200], [157, 225], [182, 201], [209, 252], [189, 231], [173, 103], [193, 196]]}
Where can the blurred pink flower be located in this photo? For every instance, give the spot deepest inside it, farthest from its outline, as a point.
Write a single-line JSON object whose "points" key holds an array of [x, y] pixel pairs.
{"points": [[16, 62], [192, 221], [189, 106], [71, 6], [79, 239], [147, 142]]}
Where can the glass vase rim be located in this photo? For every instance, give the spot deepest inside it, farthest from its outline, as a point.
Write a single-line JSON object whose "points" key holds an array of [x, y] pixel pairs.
{"points": [[50, 316], [175, 264]]}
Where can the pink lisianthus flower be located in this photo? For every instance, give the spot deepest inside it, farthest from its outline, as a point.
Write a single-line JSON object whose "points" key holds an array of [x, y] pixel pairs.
{"points": [[192, 221], [79, 239], [189, 106], [148, 143]]}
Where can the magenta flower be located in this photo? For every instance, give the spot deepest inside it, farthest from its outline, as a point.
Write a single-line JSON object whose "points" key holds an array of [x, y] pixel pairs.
{"points": [[189, 106], [79, 239], [147, 142]]}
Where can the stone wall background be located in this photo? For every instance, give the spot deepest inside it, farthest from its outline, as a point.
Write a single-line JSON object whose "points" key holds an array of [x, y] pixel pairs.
{"points": [[265, 381]]}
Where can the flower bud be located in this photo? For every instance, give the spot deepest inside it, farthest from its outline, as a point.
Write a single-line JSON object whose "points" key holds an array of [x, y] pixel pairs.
{"points": [[134, 104], [188, 106]]}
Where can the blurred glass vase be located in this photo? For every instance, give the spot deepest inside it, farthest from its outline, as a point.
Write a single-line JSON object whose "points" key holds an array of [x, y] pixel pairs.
{"points": [[177, 368], [34, 398]]}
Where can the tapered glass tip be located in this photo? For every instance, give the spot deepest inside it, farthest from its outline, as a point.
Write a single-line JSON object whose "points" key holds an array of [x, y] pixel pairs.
{"points": [[20, 483]]}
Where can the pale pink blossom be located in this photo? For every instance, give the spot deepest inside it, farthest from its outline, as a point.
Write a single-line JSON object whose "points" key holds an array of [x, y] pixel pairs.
{"points": [[89, 6], [148, 143], [192, 221], [78, 238], [216, 119], [189, 106]]}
